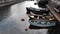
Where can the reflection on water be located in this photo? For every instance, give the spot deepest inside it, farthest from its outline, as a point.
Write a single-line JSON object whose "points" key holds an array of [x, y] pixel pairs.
{"points": [[4, 12], [50, 30]]}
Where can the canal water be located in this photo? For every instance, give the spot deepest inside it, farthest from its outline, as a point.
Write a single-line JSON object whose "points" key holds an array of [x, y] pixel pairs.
{"points": [[10, 20]]}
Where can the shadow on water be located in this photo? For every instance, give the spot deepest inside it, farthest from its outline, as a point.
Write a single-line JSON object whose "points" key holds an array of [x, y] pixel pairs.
{"points": [[51, 30], [4, 12]]}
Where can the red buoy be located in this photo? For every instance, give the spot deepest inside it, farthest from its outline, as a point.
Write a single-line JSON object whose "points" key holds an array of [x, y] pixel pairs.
{"points": [[22, 19], [26, 29]]}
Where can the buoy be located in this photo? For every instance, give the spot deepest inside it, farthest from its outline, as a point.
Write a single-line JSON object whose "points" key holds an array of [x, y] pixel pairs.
{"points": [[22, 19], [26, 29]]}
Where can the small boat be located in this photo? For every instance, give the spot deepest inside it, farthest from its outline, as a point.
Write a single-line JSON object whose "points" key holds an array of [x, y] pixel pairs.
{"points": [[40, 17]]}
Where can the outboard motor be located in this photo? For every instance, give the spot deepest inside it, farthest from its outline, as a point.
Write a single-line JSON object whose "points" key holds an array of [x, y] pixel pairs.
{"points": [[42, 3]]}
